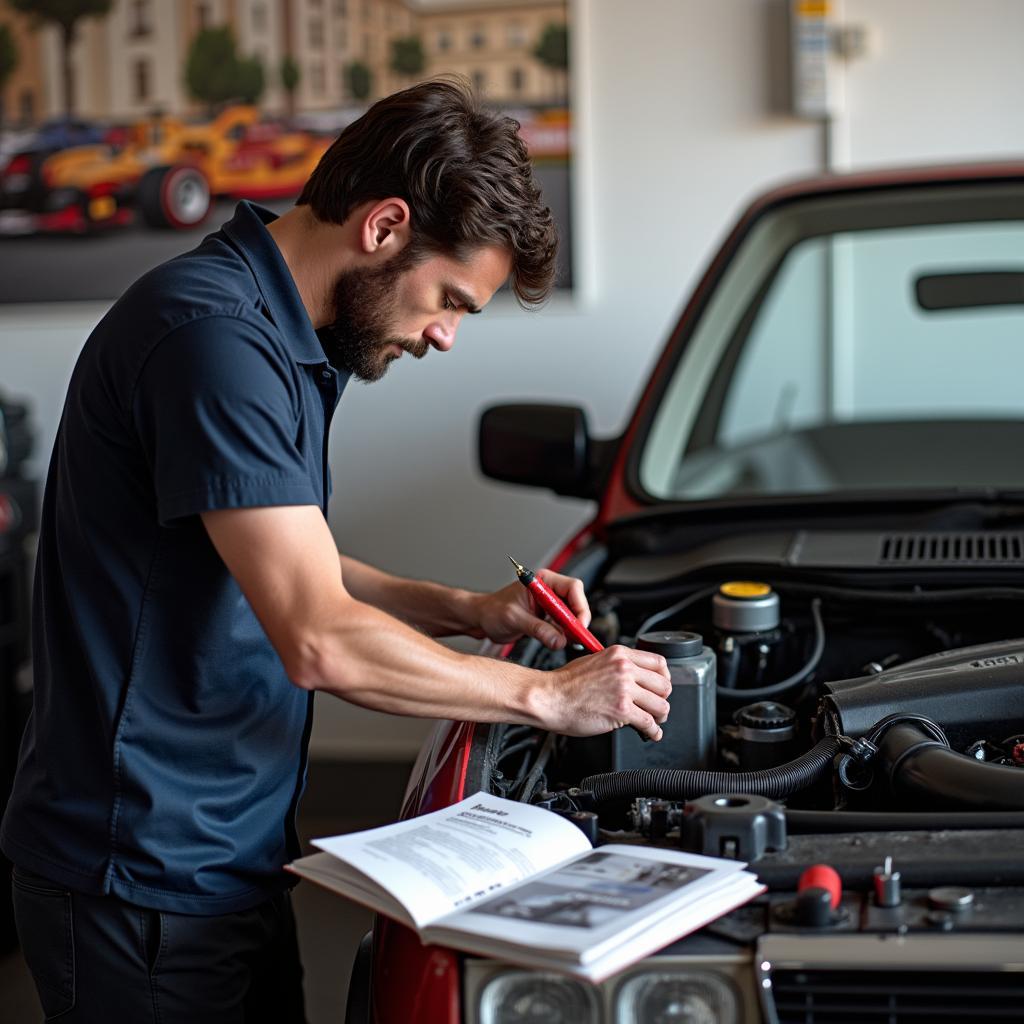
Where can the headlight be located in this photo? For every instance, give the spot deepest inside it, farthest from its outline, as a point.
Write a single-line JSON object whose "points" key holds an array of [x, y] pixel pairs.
{"points": [[678, 998], [526, 997]]}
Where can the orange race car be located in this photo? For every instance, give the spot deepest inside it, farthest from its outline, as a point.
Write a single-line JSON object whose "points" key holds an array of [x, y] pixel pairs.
{"points": [[168, 171]]}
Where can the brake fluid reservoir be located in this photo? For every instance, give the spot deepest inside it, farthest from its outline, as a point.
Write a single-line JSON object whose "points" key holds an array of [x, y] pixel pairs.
{"points": [[747, 635], [689, 733]]}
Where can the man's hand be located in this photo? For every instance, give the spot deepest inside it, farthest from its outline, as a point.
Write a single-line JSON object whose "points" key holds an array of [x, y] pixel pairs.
{"points": [[507, 614], [605, 691]]}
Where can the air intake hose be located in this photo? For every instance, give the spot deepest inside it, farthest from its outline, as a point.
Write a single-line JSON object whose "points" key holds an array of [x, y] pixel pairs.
{"points": [[923, 771], [666, 784]]}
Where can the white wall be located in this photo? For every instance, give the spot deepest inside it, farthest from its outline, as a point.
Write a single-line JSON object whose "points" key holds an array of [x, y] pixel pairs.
{"points": [[680, 121], [943, 82]]}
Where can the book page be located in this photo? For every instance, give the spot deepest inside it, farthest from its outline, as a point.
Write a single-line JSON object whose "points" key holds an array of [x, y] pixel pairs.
{"points": [[599, 900], [663, 929], [445, 860]]}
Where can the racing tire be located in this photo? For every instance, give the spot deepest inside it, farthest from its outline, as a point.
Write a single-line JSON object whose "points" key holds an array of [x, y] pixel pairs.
{"points": [[174, 197]]}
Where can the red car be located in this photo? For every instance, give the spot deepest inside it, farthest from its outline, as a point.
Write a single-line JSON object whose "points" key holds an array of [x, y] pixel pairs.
{"points": [[823, 479]]}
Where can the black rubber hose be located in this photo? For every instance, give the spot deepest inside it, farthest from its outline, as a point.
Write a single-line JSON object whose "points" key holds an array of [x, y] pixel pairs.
{"points": [[922, 770], [668, 784]]}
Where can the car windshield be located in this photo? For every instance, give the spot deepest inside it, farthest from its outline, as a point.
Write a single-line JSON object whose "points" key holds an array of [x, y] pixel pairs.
{"points": [[862, 342]]}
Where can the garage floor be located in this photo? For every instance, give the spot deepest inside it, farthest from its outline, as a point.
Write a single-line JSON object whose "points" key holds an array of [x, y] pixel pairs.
{"points": [[340, 798]]}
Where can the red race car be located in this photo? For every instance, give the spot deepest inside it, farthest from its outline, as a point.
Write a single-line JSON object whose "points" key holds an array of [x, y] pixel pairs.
{"points": [[823, 482]]}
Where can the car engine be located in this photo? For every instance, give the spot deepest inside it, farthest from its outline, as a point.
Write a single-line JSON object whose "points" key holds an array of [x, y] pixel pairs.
{"points": [[847, 717]]}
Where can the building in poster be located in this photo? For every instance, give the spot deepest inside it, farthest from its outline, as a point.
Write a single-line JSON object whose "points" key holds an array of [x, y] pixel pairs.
{"points": [[130, 62], [493, 44], [23, 99]]}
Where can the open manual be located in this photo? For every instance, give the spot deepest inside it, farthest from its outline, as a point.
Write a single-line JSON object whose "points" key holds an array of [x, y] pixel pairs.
{"points": [[504, 879]]}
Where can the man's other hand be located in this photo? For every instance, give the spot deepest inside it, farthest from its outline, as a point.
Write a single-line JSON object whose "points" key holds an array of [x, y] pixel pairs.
{"points": [[510, 613]]}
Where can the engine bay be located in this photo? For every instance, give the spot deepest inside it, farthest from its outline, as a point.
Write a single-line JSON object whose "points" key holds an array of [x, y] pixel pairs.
{"points": [[862, 686]]}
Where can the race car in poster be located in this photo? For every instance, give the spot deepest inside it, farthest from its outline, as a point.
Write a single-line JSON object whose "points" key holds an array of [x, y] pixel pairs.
{"points": [[164, 171]]}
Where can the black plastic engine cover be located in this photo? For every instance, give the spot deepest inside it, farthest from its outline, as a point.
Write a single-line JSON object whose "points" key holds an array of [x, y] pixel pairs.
{"points": [[971, 692]]}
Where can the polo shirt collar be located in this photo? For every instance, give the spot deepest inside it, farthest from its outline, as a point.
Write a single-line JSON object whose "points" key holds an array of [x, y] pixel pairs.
{"points": [[248, 230]]}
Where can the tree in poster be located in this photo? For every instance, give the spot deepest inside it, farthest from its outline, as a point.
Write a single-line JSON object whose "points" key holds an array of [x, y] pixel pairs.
{"points": [[8, 64], [67, 16], [407, 57], [210, 66], [250, 79], [552, 50], [358, 80], [214, 72], [290, 76]]}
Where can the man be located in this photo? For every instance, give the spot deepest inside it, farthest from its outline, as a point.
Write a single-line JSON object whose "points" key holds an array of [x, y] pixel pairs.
{"points": [[189, 598]]}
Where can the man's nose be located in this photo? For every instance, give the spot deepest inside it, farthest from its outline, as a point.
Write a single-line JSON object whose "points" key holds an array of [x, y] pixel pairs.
{"points": [[441, 336]]}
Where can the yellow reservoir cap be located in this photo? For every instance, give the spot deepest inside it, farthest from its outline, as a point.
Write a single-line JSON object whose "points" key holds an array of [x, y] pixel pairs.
{"points": [[745, 606], [745, 590]]}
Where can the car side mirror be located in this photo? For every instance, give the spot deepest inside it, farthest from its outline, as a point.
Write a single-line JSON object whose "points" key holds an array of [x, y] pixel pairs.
{"points": [[538, 445]]}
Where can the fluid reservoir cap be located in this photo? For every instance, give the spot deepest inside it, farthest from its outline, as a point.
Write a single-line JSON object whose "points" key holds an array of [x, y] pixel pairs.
{"points": [[671, 643], [745, 589], [766, 714], [745, 606], [951, 898], [822, 876]]}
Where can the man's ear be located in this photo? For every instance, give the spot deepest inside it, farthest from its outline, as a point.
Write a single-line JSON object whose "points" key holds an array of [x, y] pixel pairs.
{"points": [[386, 227]]}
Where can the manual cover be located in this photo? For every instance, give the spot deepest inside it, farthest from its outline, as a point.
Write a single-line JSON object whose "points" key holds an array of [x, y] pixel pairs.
{"points": [[500, 878]]}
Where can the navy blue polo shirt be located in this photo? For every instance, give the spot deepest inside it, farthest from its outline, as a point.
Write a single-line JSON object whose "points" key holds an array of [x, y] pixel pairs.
{"points": [[166, 751]]}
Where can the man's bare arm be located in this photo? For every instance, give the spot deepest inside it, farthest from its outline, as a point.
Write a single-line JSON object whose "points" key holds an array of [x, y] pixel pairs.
{"points": [[440, 610], [433, 607], [286, 564]]}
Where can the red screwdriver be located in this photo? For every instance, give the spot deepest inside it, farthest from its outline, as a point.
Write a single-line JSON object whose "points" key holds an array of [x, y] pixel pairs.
{"points": [[559, 611], [556, 608]]}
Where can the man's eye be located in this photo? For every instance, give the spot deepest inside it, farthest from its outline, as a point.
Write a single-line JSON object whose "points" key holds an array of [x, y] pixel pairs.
{"points": [[448, 304]]}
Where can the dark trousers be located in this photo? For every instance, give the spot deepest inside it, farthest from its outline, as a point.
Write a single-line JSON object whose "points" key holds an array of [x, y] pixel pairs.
{"points": [[96, 959]]}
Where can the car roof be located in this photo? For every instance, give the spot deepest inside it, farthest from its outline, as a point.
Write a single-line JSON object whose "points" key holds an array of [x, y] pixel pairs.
{"points": [[888, 177]]}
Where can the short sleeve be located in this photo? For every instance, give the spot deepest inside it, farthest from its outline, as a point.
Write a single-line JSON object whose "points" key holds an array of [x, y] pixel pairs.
{"points": [[218, 411]]}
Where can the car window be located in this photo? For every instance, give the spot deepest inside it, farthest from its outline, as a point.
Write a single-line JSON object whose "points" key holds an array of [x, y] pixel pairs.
{"points": [[865, 348], [842, 361]]}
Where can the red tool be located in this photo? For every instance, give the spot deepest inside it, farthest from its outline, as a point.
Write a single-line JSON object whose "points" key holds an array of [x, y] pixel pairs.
{"points": [[556, 608], [551, 603]]}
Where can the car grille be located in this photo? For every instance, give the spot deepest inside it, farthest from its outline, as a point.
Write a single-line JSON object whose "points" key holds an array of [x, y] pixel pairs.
{"points": [[896, 997], [891, 979]]}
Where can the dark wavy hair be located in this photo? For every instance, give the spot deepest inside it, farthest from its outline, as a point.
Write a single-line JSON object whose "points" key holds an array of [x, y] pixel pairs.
{"points": [[463, 170]]}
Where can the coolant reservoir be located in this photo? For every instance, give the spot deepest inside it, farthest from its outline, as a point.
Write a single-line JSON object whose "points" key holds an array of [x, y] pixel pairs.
{"points": [[689, 733]]}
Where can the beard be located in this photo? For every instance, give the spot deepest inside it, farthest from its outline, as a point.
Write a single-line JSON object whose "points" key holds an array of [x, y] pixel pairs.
{"points": [[358, 337]]}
